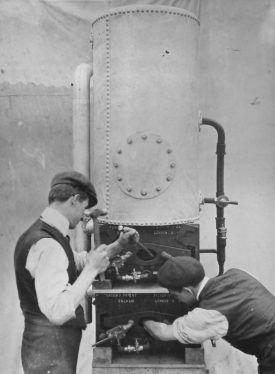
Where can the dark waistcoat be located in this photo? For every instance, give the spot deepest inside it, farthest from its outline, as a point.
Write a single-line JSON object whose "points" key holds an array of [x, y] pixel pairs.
{"points": [[24, 280], [248, 306]]}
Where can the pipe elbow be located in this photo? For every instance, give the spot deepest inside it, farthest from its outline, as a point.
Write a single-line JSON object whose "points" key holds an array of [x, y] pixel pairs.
{"points": [[82, 77]]}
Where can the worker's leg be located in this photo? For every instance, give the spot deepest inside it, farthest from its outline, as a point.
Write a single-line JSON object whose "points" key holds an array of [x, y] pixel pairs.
{"points": [[52, 350]]}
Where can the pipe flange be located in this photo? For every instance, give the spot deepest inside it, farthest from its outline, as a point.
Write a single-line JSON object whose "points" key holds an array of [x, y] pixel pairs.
{"points": [[144, 165]]}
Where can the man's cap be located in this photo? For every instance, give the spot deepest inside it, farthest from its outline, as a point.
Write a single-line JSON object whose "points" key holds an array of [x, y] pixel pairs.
{"points": [[76, 179], [179, 272]]}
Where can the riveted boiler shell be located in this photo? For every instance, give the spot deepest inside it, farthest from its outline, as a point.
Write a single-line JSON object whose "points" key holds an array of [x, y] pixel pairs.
{"points": [[144, 147]]}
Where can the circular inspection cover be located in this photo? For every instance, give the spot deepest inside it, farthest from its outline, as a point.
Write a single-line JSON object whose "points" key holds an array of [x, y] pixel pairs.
{"points": [[144, 165]]}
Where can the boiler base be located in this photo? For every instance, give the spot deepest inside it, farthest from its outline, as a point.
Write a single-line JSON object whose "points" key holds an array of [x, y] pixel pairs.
{"points": [[105, 361]]}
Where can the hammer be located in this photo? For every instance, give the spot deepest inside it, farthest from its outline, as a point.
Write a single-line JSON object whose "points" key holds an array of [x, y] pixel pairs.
{"points": [[91, 218], [92, 226]]}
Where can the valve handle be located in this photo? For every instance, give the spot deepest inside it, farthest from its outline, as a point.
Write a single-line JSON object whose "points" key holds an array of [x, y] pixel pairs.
{"points": [[221, 201]]}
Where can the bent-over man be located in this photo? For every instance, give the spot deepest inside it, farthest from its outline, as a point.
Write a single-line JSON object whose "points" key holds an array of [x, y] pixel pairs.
{"points": [[234, 306]]}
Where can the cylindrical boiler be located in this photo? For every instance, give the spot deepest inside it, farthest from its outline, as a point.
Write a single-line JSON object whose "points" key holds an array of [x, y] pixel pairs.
{"points": [[146, 115]]}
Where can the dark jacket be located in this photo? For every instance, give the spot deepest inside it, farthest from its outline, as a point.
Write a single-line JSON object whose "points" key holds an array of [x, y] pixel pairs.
{"points": [[249, 308]]}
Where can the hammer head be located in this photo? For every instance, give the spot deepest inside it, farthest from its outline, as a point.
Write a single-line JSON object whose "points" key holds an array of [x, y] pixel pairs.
{"points": [[90, 219], [94, 212]]}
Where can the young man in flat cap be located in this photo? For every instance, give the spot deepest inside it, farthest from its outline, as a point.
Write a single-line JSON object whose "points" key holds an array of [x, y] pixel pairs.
{"points": [[234, 306], [49, 287]]}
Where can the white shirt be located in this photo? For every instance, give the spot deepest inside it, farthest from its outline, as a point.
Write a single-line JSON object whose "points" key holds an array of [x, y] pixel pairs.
{"points": [[47, 263], [200, 324]]}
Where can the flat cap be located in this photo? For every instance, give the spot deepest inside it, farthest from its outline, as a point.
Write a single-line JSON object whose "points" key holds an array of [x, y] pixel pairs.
{"points": [[75, 179], [179, 272]]}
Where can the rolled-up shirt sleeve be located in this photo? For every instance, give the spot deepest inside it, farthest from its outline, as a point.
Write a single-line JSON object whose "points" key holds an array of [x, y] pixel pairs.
{"points": [[199, 325], [48, 263]]}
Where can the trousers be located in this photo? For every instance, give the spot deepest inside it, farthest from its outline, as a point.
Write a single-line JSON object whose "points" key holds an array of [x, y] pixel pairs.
{"points": [[49, 349]]}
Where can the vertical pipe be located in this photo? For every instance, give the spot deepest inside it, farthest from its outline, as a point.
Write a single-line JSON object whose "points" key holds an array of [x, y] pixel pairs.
{"points": [[81, 134], [81, 118], [220, 220], [81, 148]]}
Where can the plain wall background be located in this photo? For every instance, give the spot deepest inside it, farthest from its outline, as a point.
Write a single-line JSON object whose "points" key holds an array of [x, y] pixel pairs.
{"points": [[238, 90], [43, 42]]}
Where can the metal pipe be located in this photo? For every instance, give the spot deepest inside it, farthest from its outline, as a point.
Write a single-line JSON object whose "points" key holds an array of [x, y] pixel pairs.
{"points": [[81, 135], [220, 153], [81, 118], [208, 251], [81, 148], [220, 220]]}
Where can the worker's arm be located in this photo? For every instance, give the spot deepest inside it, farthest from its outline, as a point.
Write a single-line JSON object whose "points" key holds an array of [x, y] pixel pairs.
{"points": [[159, 330], [48, 264], [195, 327], [128, 236]]}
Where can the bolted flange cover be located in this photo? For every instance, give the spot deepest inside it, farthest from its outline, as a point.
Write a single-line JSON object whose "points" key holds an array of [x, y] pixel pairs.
{"points": [[144, 165]]}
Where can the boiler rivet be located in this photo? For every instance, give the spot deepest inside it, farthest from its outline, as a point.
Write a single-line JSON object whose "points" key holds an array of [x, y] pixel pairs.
{"points": [[119, 179], [159, 140], [143, 192], [144, 137], [169, 150], [119, 151], [172, 165], [169, 179], [158, 189], [129, 140], [116, 164], [129, 189]]}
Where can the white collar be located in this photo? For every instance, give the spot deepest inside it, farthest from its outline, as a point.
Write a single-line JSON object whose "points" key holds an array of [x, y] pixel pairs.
{"points": [[54, 218], [203, 283]]}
